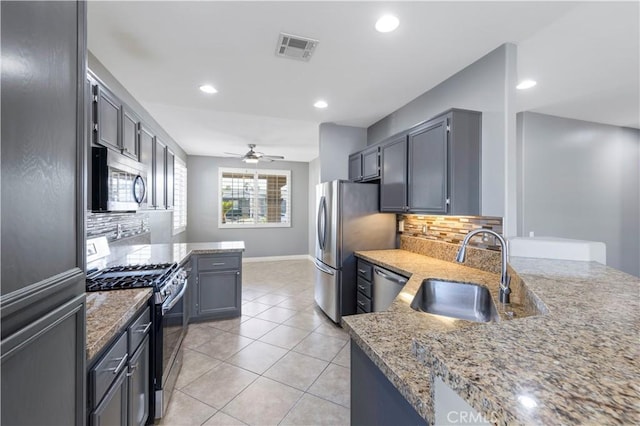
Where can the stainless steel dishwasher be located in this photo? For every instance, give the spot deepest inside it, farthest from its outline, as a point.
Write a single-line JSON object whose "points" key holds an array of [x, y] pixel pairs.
{"points": [[386, 286]]}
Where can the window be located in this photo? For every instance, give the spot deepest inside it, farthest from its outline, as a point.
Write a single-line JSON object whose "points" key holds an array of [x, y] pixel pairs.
{"points": [[254, 198], [180, 197]]}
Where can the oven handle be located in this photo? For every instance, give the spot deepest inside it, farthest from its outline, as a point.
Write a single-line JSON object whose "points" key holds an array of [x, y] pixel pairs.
{"points": [[174, 300]]}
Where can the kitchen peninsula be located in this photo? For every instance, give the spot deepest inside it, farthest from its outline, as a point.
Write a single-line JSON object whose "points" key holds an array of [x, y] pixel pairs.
{"points": [[568, 356]]}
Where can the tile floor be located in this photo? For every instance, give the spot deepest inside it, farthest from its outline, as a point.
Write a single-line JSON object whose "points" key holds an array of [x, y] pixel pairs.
{"points": [[283, 362]]}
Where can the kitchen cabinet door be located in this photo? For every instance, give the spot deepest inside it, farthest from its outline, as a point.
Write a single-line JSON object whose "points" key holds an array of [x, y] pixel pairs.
{"points": [[159, 174], [428, 169], [370, 163], [107, 118], [393, 176], [138, 386], [170, 179], [219, 294], [147, 142], [112, 411], [355, 167], [130, 134]]}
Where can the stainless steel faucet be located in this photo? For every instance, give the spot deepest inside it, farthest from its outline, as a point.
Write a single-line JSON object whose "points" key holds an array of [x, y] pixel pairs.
{"points": [[505, 279]]}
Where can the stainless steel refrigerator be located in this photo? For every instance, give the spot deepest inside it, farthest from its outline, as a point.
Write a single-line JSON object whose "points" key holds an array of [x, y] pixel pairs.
{"points": [[347, 220]]}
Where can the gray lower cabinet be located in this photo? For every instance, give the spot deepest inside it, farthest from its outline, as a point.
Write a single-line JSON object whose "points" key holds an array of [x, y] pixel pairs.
{"points": [[218, 286], [374, 399], [119, 380], [364, 296]]}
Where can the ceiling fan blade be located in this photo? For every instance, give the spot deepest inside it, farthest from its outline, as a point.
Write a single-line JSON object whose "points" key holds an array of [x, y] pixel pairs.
{"points": [[273, 157], [234, 153]]}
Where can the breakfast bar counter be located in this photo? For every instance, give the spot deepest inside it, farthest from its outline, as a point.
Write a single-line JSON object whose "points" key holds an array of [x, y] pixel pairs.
{"points": [[565, 352]]}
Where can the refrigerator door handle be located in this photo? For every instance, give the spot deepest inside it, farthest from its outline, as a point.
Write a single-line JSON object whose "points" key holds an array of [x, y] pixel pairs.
{"points": [[322, 222], [323, 268]]}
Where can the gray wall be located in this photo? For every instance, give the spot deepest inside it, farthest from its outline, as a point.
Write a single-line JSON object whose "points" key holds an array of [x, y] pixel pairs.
{"points": [[203, 210], [121, 92], [161, 228], [314, 179], [482, 86], [336, 143], [580, 180]]}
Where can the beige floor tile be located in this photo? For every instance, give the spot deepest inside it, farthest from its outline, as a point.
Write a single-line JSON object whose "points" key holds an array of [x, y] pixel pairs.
{"points": [[334, 385], [333, 331], [254, 308], [250, 294], [264, 402], [222, 419], [271, 299], [296, 304], [277, 314], [185, 410], [311, 410], [220, 385], [227, 324], [344, 357], [257, 357], [296, 370], [197, 334], [223, 345], [304, 320], [254, 328], [284, 336], [320, 346], [194, 365]]}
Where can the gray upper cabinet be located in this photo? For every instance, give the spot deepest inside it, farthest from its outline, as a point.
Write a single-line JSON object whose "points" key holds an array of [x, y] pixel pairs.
{"points": [[428, 168], [159, 174], [107, 118], [434, 167], [170, 198], [147, 142], [393, 180], [42, 301], [371, 163], [130, 133], [355, 167], [365, 165]]}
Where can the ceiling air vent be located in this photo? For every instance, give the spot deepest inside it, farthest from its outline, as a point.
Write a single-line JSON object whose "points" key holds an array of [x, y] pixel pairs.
{"points": [[295, 47]]}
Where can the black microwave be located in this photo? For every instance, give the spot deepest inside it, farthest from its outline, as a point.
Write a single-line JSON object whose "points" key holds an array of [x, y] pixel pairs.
{"points": [[118, 183]]}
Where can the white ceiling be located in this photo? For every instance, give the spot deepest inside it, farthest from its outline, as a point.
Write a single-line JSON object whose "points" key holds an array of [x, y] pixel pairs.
{"points": [[585, 57]]}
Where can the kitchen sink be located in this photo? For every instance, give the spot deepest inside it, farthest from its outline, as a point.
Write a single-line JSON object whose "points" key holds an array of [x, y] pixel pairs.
{"points": [[467, 301]]}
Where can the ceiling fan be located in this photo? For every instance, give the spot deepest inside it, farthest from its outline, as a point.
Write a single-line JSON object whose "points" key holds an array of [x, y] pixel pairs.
{"points": [[253, 157]]}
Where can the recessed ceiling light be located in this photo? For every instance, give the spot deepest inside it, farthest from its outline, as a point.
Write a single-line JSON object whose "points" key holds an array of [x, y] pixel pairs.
{"points": [[387, 23], [207, 88], [526, 84], [321, 104]]}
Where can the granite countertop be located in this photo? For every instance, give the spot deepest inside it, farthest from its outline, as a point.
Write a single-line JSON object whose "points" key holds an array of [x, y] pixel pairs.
{"points": [[109, 311], [572, 347]]}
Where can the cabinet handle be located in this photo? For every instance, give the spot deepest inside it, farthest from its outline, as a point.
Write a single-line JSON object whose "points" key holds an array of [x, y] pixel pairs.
{"points": [[122, 362], [360, 287], [217, 264], [238, 273], [133, 370], [145, 328], [361, 304], [362, 271]]}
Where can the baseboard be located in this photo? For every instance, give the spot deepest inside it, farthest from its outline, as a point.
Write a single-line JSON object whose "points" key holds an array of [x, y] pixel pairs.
{"points": [[277, 258]]}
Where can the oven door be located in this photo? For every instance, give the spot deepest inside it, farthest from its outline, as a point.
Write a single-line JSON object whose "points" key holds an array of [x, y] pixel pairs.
{"points": [[174, 327]]}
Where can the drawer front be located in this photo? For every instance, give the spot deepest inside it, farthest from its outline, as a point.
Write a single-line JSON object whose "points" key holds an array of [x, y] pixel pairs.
{"points": [[360, 311], [364, 287], [105, 372], [139, 329], [365, 270], [363, 302], [212, 263]]}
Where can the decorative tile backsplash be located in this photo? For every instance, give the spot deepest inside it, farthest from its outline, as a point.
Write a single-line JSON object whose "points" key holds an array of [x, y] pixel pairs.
{"points": [[116, 226], [452, 229]]}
